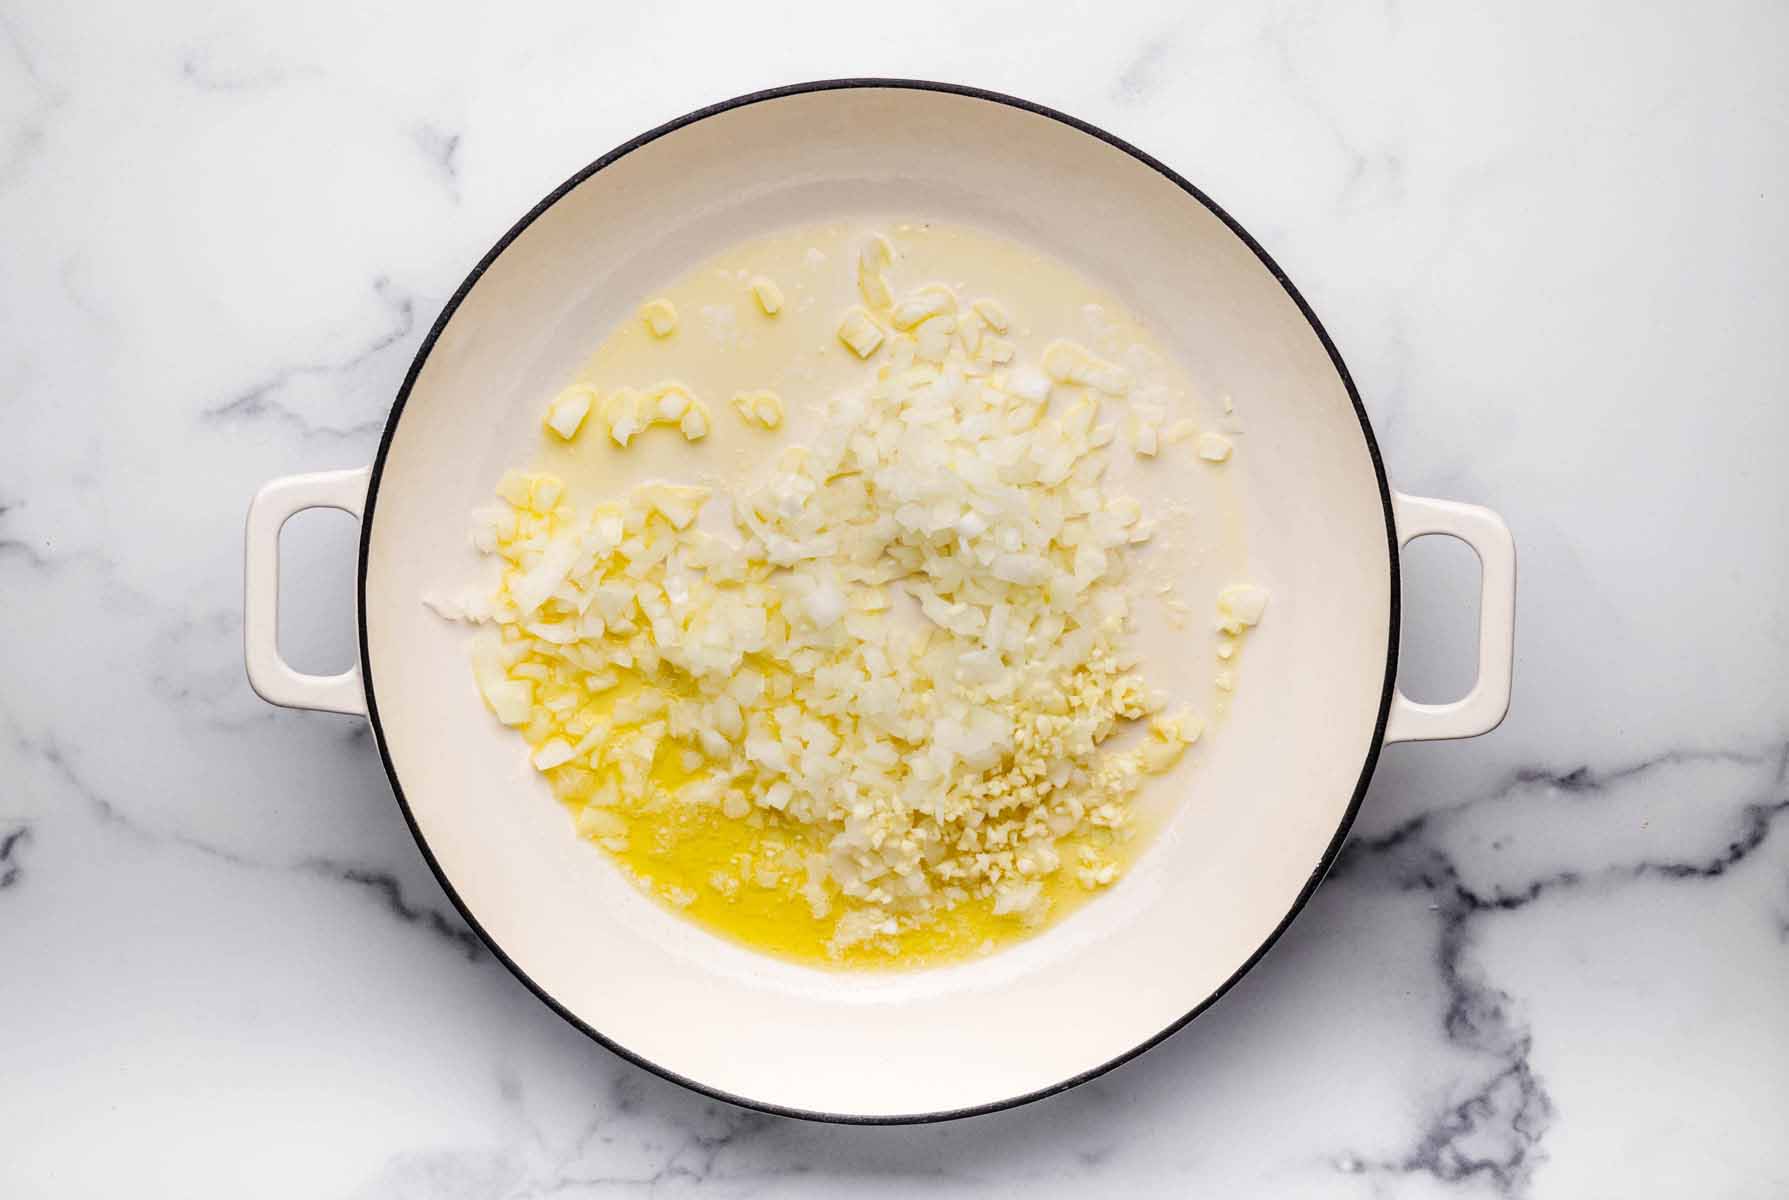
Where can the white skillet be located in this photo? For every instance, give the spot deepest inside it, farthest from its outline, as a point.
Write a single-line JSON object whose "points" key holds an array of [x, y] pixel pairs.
{"points": [[1284, 776]]}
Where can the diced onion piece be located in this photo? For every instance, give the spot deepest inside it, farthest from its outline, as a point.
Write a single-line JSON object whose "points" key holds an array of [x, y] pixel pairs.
{"points": [[1071, 362], [694, 425], [660, 317], [669, 401], [1239, 606], [1214, 447], [1180, 431], [1029, 383], [991, 312], [930, 301], [621, 413], [566, 412], [511, 699], [598, 824], [876, 254], [554, 752], [860, 333], [768, 295], [933, 337]]}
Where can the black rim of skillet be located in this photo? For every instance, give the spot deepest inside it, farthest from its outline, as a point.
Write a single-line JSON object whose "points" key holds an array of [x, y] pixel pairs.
{"points": [[830, 85]]}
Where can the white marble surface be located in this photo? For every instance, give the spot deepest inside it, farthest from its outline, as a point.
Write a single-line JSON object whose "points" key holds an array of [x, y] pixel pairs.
{"points": [[1551, 242]]}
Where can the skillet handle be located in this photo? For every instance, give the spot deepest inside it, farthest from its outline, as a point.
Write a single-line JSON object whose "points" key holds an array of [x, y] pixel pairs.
{"points": [[1482, 709], [273, 679]]}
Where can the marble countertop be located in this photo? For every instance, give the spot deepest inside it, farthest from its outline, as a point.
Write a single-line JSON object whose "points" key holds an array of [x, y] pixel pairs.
{"points": [[1550, 241]]}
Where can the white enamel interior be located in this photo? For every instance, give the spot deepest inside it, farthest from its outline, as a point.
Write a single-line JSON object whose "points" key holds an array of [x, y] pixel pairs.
{"points": [[1275, 781]]}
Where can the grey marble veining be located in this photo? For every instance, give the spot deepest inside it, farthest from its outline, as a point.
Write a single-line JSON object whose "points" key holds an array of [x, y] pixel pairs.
{"points": [[1550, 242]]}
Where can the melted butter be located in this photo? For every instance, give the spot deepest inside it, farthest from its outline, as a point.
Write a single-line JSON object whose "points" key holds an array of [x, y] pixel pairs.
{"points": [[674, 851], [725, 343]]}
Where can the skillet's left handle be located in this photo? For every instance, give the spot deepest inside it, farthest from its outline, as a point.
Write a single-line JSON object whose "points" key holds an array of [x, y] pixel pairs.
{"points": [[1482, 709], [274, 679]]}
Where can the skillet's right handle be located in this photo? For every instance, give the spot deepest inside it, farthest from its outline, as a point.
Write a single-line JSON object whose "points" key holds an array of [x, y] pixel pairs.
{"points": [[1482, 709]]}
